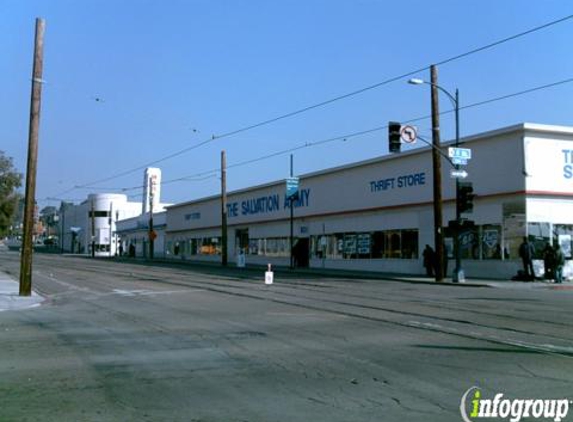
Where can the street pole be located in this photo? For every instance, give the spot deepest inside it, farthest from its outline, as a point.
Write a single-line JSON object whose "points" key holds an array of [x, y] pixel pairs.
{"points": [[63, 222], [110, 220], [224, 240], [151, 233], [437, 176], [29, 201], [291, 217], [458, 271], [93, 228]]}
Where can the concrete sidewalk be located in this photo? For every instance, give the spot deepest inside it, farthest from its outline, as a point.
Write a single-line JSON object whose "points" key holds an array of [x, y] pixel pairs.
{"points": [[9, 296]]}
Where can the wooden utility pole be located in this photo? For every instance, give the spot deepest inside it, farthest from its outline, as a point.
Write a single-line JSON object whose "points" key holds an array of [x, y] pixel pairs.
{"points": [[110, 221], [29, 202], [92, 212], [437, 177], [224, 239], [151, 231], [291, 204]]}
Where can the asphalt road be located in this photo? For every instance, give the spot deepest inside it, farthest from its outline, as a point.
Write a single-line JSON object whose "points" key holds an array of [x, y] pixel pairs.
{"points": [[124, 341]]}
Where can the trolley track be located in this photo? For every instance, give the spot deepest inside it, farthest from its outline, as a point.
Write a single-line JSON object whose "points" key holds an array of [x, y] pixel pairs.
{"points": [[286, 294]]}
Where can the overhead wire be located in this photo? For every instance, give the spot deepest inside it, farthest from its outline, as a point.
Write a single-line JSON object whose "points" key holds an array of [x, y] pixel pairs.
{"points": [[323, 103], [351, 135]]}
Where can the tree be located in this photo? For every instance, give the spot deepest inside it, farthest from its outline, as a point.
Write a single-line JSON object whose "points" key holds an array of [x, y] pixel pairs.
{"points": [[10, 181]]}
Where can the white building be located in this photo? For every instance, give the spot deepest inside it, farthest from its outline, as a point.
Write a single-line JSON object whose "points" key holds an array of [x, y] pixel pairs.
{"points": [[377, 215], [94, 220], [80, 229]]}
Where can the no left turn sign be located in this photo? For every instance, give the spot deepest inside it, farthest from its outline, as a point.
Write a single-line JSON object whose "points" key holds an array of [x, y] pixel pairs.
{"points": [[408, 134]]}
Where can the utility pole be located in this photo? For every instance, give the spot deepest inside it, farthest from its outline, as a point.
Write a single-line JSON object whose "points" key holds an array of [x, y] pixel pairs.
{"points": [[151, 232], [291, 217], [29, 204], [93, 228], [224, 240], [110, 221], [63, 223], [437, 176]]}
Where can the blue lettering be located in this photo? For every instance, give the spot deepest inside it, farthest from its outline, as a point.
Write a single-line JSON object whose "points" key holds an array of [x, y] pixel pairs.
{"points": [[233, 209], [302, 200], [408, 180], [568, 171], [383, 184], [263, 204], [412, 180]]}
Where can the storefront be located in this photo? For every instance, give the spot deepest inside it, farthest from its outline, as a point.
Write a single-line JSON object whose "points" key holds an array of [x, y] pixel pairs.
{"points": [[377, 215]]}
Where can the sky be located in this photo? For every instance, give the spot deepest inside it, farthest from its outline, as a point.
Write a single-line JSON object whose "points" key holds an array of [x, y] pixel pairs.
{"points": [[130, 82]]}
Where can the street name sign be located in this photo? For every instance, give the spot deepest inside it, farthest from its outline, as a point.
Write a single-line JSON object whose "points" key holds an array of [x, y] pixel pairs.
{"points": [[291, 186], [461, 153]]}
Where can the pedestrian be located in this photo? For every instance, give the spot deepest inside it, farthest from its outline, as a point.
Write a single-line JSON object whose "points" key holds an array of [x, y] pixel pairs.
{"points": [[559, 263], [549, 262], [121, 249], [429, 257], [526, 252]]}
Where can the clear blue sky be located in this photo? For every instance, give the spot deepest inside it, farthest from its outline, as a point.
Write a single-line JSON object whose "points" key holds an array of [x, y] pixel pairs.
{"points": [[172, 73]]}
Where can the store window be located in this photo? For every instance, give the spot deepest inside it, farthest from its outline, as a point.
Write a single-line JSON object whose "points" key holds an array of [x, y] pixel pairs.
{"points": [[539, 235], [274, 246], [209, 246], [401, 244], [563, 236], [410, 244], [491, 242], [469, 243]]}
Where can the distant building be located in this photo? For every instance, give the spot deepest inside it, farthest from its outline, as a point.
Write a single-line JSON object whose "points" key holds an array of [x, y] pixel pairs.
{"points": [[135, 232], [94, 221]]}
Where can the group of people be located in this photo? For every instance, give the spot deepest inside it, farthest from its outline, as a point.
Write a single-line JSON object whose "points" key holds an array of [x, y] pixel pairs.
{"points": [[553, 260]]}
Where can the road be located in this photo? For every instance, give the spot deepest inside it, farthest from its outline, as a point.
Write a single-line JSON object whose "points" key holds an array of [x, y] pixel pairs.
{"points": [[126, 341]]}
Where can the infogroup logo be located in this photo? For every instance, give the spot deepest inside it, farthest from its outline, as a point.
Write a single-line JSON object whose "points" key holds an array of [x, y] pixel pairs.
{"points": [[512, 409]]}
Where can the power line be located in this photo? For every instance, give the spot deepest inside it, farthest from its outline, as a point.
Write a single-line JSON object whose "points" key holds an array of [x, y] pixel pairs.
{"points": [[349, 136], [208, 174], [326, 102]]}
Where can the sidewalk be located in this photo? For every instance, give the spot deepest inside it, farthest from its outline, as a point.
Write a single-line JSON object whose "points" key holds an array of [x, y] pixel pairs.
{"points": [[284, 273], [9, 296]]}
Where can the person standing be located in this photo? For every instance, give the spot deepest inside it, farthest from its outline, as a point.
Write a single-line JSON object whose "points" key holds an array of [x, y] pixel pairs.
{"points": [[526, 252], [549, 262], [559, 263], [429, 257]]}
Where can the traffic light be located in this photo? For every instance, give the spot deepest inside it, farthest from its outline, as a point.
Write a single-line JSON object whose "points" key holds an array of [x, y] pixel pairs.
{"points": [[466, 197], [394, 141]]}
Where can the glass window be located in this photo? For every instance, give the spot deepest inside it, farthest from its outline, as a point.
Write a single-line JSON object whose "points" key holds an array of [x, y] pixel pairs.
{"points": [[563, 235], [209, 246], [378, 245], [539, 235], [350, 246], [363, 243], [392, 244], [410, 244], [491, 242], [469, 243]]}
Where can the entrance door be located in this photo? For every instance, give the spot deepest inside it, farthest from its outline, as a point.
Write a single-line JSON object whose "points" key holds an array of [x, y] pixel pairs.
{"points": [[242, 239], [301, 252]]}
